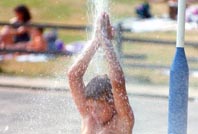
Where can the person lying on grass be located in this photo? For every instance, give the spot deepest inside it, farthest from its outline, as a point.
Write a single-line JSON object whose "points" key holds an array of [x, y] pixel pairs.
{"points": [[103, 103], [36, 44]]}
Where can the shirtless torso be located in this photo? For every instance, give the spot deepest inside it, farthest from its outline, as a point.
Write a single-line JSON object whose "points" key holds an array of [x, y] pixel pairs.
{"points": [[115, 126]]}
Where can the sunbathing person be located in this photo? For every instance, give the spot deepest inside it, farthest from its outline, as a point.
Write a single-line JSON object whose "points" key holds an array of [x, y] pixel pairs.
{"points": [[11, 35], [37, 42], [103, 103]]}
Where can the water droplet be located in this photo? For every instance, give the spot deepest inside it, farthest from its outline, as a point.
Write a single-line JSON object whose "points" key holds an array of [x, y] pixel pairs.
{"points": [[6, 129]]}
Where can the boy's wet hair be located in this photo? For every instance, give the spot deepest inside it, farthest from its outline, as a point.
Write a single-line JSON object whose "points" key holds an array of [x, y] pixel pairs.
{"points": [[99, 88]]}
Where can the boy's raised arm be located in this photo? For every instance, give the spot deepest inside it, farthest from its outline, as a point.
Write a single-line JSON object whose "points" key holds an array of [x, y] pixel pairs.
{"points": [[76, 73], [116, 74], [118, 82]]}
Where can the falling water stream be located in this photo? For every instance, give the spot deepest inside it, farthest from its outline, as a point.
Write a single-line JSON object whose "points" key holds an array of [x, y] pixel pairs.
{"points": [[95, 9]]}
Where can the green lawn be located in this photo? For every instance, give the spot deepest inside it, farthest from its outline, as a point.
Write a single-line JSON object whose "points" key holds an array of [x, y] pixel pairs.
{"points": [[158, 55], [151, 54], [62, 11]]}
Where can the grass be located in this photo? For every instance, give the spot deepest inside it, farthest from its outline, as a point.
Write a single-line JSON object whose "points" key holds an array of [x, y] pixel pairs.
{"points": [[52, 68], [152, 55], [46, 10], [74, 12], [61, 11], [158, 55], [190, 36], [71, 36]]}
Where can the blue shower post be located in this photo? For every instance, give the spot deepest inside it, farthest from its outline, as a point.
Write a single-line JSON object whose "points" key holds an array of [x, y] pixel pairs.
{"points": [[179, 80]]}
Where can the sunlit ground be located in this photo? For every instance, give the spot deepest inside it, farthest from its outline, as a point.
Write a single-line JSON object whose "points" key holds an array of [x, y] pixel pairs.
{"points": [[39, 112]]}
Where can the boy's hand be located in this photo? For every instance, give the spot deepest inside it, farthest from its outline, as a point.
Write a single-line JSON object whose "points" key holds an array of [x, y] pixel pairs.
{"points": [[104, 30]]}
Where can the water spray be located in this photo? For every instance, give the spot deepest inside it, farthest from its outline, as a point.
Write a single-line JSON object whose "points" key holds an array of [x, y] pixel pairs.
{"points": [[95, 9], [179, 80]]}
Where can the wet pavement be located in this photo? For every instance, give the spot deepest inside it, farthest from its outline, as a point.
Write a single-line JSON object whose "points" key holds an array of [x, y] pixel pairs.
{"points": [[53, 112]]}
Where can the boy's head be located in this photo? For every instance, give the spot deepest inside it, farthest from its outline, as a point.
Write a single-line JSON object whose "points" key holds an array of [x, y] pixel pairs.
{"points": [[100, 99], [37, 31], [99, 88]]}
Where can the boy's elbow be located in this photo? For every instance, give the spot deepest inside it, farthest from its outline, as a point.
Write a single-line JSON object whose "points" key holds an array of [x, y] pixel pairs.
{"points": [[73, 75]]}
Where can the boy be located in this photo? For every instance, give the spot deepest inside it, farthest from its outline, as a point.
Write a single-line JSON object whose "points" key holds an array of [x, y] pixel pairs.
{"points": [[103, 103], [38, 42]]}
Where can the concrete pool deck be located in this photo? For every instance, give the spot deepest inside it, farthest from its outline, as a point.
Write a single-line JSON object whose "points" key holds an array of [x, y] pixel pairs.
{"points": [[26, 111], [60, 84], [26, 108]]}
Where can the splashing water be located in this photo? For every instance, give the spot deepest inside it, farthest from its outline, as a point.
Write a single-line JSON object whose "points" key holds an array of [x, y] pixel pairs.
{"points": [[95, 9]]}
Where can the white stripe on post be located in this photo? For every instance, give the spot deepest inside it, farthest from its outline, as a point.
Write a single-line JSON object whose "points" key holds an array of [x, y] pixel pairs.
{"points": [[181, 23]]}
